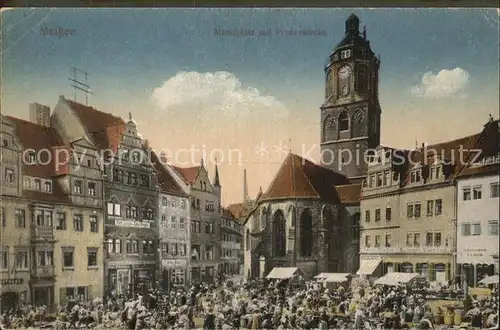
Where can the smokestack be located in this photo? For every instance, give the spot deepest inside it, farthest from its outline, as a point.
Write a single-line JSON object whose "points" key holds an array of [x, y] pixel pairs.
{"points": [[245, 187], [40, 114]]}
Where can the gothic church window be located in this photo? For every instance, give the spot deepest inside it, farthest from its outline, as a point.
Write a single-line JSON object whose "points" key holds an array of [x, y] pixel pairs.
{"points": [[358, 123], [279, 234], [306, 233], [344, 121]]}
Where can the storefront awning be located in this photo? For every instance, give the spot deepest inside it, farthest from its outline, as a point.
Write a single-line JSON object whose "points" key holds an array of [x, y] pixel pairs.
{"points": [[283, 272], [333, 277], [368, 266], [489, 280], [396, 278]]}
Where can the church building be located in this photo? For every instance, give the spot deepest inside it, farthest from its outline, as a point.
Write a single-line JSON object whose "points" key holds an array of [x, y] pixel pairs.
{"points": [[309, 216]]}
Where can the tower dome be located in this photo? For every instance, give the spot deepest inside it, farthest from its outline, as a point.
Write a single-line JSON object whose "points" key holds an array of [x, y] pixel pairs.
{"points": [[352, 24]]}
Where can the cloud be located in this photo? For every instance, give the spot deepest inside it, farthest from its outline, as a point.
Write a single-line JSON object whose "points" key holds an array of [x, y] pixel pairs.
{"points": [[445, 83], [219, 93]]}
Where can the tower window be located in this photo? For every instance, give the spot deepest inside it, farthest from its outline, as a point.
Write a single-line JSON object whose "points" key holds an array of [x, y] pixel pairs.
{"points": [[345, 53], [343, 122]]}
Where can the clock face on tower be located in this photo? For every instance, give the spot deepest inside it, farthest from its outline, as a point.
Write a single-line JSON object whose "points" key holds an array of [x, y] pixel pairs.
{"points": [[344, 72]]}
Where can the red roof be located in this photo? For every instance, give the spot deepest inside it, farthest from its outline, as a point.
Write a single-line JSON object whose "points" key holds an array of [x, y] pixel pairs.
{"points": [[38, 138], [457, 153], [104, 129], [165, 180], [301, 178], [188, 174]]}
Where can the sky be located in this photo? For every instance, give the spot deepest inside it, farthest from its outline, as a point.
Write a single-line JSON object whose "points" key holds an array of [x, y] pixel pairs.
{"points": [[249, 99]]}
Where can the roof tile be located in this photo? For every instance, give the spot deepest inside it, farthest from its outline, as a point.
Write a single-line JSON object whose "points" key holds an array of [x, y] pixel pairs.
{"points": [[301, 178]]}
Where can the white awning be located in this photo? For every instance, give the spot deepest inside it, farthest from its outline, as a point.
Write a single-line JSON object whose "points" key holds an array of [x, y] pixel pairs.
{"points": [[368, 266], [283, 272], [396, 278], [333, 277], [489, 280]]}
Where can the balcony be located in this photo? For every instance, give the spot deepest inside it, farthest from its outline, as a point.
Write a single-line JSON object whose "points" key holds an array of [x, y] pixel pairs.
{"points": [[43, 271], [42, 233]]}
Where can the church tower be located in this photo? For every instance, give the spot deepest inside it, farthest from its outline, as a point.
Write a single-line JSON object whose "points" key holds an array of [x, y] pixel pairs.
{"points": [[350, 115]]}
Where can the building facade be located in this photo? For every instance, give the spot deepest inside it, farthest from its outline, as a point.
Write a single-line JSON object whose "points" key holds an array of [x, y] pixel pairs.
{"points": [[174, 229], [58, 217], [15, 228], [130, 192], [409, 207], [230, 243], [350, 114], [205, 212], [301, 221], [477, 212]]}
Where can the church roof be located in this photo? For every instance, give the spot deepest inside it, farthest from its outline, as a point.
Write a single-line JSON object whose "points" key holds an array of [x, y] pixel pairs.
{"points": [[301, 178]]}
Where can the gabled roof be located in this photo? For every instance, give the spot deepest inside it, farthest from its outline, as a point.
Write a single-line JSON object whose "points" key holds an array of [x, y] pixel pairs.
{"points": [[37, 137], [166, 182], [105, 129], [188, 174], [301, 178], [489, 145], [458, 153]]}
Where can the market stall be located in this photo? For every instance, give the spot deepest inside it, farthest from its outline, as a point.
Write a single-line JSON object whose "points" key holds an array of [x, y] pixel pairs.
{"points": [[332, 280], [394, 279], [490, 280]]}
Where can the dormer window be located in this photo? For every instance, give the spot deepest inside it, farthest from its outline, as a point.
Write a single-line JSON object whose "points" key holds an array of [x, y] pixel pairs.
{"points": [[47, 187], [387, 155], [345, 54], [415, 176], [438, 171], [370, 156]]}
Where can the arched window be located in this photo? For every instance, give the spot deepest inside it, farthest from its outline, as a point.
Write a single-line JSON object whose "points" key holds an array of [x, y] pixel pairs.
{"points": [[279, 234], [306, 233], [344, 121], [355, 226], [247, 240]]}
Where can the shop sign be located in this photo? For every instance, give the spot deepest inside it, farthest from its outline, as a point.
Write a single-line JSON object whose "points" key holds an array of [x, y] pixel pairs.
{"points": [[12, 281], [131, 223], [475, 252], [171, 263]]}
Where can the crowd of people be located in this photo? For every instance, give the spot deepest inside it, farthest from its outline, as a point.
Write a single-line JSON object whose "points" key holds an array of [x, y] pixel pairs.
{"points": [[258, 304]]}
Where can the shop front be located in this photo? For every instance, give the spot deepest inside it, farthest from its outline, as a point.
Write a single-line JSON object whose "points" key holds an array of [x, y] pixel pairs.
{"points": [[131, 279], [14, 291], [174, 273], [434, 269]]}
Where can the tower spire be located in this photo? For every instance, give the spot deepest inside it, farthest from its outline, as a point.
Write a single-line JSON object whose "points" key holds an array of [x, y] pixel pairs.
{"points": [[245, 187], [216, 178]]}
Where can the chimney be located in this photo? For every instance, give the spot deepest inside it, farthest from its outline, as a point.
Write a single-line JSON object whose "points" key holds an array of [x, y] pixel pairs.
{"points": [[40, 114], [245, 188]]}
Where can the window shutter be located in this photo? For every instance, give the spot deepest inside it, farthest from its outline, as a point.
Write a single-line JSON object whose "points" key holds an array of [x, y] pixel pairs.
{"points": [[90, 292], [62, 296]]}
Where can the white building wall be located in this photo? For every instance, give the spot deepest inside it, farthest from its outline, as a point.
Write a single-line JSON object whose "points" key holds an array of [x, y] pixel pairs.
{"points": [[477, 248]]}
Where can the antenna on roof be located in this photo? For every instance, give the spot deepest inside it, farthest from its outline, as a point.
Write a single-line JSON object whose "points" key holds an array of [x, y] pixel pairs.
{"points": [[80, 85]]}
